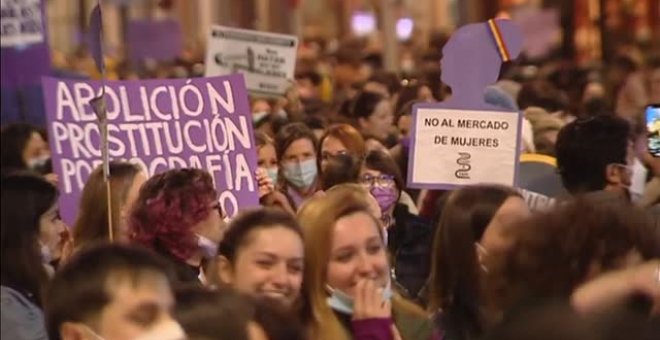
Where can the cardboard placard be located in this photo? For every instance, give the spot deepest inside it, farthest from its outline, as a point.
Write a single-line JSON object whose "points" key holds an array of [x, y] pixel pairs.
{"points": [[462, 147], [266, 59], [159, 124]]}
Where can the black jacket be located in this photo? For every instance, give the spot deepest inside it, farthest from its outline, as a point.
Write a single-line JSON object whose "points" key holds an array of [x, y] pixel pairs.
{"points": [[410, 243]]}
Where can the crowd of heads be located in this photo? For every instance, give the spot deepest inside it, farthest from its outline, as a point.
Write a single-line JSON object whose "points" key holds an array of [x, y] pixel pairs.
{"points": [[340, 247]]}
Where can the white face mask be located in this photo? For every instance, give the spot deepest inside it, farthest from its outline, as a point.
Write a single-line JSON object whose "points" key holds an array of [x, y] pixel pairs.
{"points": [[170, 330], [208, 248], [46, 254], [37, 162]]}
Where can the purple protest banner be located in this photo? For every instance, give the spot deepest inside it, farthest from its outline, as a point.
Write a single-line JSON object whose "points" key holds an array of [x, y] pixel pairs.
{"points": [[158, 40], [159, 124]]}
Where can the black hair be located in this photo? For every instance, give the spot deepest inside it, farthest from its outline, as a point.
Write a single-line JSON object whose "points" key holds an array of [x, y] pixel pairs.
{"points": [[543, 94], [315, 122], [25, 198], [586, 147], [13, 140], [245, 223], [365, 104], [313, 77], [79, 290], [389, 79], [383, 162]]}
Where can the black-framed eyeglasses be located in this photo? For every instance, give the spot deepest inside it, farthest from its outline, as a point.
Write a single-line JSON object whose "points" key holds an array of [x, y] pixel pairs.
{"points": [[381, 180], [217, 207]]}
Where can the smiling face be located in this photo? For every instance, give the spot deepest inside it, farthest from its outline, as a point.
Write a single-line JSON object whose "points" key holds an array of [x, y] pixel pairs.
{"points": [[357, 253], [269, 263]]}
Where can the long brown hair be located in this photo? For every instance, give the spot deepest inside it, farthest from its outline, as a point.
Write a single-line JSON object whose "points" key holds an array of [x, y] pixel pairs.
{"points": [[317, 218], [455, 279], [92, 223]]}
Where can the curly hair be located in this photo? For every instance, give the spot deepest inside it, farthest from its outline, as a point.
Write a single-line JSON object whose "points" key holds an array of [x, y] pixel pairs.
{"points": [[168, 206], [557, 250]]}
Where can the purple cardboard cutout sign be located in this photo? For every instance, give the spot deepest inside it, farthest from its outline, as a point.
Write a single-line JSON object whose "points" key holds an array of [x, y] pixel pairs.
{"points": [[159, 124], [158, 40], [471, 61]]}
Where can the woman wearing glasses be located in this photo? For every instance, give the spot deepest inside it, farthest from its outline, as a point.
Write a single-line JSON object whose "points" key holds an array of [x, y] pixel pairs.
{"points": [[409, 237], [178, 215]]}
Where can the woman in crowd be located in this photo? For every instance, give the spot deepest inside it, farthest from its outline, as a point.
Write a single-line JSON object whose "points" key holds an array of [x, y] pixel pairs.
{"points": [[556, 252], [340, 139], [227, 315], [472, 228], [372, 114], [262, 255], [347, 290], [267, 160], [31, 239], [296, 152], [22, 147], [91, 225], [409, 236], [178, 215]]}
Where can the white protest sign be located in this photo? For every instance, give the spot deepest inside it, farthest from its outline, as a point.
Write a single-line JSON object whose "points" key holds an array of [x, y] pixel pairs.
{"points": [[21, 22], [461, 147], [267, 60]]}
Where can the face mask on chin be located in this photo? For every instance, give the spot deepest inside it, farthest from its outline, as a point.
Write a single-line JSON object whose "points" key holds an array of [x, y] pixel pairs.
{"points": [[272, 174], [343, 303], [207, 247]]}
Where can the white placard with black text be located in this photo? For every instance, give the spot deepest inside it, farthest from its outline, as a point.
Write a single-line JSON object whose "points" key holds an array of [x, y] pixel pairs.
{"points": [[461, 147], [267, 60], [21, 22]]}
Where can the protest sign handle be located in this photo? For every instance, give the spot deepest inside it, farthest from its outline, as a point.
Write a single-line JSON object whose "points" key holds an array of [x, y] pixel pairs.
{"points": [[109, 198]]}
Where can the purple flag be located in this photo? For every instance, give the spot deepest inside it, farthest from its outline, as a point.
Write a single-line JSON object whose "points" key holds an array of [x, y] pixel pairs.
{"points": [[159, 40], [95, 38], [159, 124]]}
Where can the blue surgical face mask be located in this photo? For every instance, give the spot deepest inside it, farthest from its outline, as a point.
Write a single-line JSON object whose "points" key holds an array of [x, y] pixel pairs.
{"points": [[301, 174], [272, 173], [343, 303]]}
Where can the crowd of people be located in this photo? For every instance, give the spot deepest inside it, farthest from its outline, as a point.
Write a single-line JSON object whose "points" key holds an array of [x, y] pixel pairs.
{"points": [[340, 247]]}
